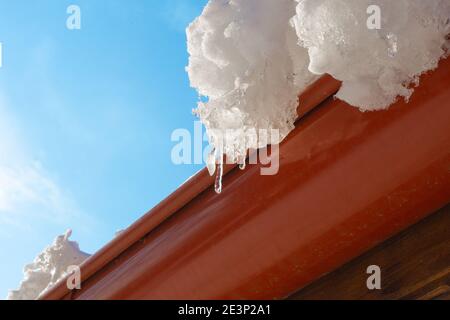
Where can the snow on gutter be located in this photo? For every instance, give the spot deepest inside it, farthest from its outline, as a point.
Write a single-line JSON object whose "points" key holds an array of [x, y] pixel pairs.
{"points": [[347, 181]]}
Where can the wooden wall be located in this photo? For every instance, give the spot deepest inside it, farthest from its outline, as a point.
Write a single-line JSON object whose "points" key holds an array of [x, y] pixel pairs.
{"points": [[414, 265]]}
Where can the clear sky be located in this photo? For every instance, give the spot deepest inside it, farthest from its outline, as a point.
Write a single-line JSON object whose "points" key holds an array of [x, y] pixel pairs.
{"points": [[86, 118]]}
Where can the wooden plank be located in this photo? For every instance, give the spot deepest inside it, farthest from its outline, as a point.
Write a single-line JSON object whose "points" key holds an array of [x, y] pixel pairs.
{"points": [[414, 265]]}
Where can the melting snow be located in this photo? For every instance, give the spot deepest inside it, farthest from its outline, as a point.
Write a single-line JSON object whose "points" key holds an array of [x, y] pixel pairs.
{"points": [[48, 267], [251, 58], [245, 59]]}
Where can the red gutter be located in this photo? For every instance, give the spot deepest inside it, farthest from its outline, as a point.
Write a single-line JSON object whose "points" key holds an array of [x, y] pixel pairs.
{"points": [[312, 97], [348, 181], [316, 93]]}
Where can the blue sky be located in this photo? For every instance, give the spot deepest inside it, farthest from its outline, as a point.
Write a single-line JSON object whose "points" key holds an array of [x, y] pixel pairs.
{"points": [[86, 118]]}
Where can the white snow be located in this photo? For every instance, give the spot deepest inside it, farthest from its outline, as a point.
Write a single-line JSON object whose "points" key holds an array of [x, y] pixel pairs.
{"points": [[376, 66], [245, 60], [249, 59], [48, 267]]}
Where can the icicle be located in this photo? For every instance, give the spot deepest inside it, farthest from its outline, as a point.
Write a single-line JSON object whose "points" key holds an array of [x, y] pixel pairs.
{"points": [[219, 175], [242, 163], [211, 162]]}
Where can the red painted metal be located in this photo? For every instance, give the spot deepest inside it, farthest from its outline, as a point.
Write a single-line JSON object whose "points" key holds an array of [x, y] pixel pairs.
{"points": [[347, 181]]}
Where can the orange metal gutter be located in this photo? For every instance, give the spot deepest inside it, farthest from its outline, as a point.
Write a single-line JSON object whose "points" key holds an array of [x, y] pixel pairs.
{"points": [[347, 181]]}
